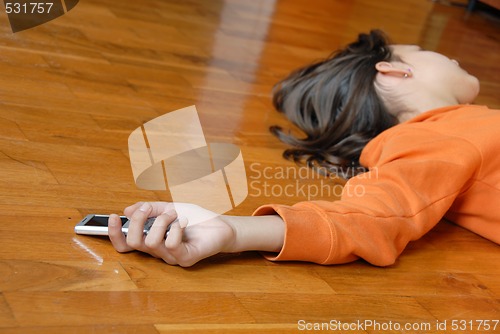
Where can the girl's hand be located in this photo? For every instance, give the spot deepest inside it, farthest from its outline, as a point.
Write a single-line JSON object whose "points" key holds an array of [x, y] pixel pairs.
{"points": [[185, 244]]}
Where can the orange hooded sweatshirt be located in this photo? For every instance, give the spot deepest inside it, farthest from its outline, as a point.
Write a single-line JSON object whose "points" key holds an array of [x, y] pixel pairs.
{"points": [[442, 163]]}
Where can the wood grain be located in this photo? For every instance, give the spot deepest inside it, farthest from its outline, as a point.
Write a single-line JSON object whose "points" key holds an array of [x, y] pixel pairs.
{"points": [[73, 89]]}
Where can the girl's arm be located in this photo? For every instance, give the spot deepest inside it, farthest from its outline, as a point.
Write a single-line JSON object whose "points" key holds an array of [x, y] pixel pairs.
{"points": [[261, 233], [418, 176], [187, 243]]}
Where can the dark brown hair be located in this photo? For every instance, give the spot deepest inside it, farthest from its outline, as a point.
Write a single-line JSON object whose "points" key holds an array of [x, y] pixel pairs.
{"points": [[335, 104]]}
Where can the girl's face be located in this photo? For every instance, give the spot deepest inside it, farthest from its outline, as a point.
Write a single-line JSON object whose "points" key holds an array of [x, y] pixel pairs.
{"points": [[437, 74]]}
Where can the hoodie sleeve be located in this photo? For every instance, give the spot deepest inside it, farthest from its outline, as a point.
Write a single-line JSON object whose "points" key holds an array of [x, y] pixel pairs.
{"points": [[415, 178]]}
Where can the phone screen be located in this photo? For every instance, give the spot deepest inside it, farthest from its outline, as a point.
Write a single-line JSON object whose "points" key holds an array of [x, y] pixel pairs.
{"points": [[96, 225], [102, 221]]}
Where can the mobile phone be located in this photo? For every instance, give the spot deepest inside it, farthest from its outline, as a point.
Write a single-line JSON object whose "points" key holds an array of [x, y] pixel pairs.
{"points": [[98, 225]]}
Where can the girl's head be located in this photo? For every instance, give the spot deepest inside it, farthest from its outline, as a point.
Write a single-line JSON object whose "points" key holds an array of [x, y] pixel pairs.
{"points": [[418, 80], [344, 101], [335, 103]]}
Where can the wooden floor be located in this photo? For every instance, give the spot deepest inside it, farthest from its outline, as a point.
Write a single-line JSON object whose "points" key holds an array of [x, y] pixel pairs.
{"points": [[71, 92]]}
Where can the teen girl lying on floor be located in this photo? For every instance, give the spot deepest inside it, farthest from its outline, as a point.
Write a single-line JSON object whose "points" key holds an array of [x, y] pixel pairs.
{"points": [[395, 108]]}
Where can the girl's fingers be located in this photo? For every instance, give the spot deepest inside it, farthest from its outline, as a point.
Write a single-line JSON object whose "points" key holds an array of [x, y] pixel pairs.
{"points": [[157, 208], [131, 209], [116, 235], [135, 234], [171, 248], [175, 235], [158, 231]]}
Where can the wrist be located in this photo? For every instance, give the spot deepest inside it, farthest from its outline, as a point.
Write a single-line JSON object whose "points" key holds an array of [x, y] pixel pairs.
{"points": [[255, 233]]}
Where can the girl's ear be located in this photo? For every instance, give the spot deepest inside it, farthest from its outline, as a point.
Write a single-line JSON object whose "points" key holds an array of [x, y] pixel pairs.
{"points": [[387, 68]]}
